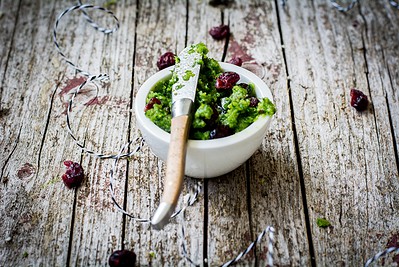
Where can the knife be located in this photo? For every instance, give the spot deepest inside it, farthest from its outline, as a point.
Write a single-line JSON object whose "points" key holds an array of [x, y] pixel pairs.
{"points": [[183, 94]]}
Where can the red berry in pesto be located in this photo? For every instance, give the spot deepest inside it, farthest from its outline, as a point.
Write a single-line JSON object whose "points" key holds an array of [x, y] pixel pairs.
{"points": [[243, 85], [122, 258], [236, 61], [220, 131], [253, 101], [227, 80], [73, 175], [166, 60], [219, 32], [151, 103], [358, 100]]}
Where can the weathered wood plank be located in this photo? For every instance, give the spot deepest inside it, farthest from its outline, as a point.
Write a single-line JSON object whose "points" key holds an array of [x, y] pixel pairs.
{"points": [[341, 151], [103, 124], [34, 209], [381, 48], [160, 28], [274, 185], [228, 230], [8, 20]]}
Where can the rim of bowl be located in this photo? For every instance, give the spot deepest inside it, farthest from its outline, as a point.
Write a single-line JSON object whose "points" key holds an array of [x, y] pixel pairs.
{"points": [[248, 132]]}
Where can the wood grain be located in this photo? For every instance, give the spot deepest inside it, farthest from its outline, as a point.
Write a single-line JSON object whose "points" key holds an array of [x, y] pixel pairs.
{"points": [[226, 221], [103, 124], [274, 191], [34, 211], [158, 31], [320, 158], [343, 152]]}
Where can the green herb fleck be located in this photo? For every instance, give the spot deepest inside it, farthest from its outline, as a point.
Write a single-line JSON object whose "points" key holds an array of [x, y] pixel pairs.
{"points": [[188, 74], [51, 182], [323, 223], [110, 3], [152, 254], [25, 254]]}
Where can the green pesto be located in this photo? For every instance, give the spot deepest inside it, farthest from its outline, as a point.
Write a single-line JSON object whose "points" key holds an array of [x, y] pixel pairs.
{"points": [[188, 74], [199, 48], [234, 109]]}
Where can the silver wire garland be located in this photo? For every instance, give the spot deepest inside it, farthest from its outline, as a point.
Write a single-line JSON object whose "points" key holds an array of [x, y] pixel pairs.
{"points": [[343, 8], [394, 4], [82, 7], [381, 254], [139, 141]]}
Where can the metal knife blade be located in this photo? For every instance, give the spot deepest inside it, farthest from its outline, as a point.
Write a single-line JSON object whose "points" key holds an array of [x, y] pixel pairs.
{"points": [[186, 71]]}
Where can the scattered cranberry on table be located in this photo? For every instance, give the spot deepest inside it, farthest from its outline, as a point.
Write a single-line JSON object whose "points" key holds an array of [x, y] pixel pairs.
{"points": [[227, 80], [122, 258], [236, 61], [358, 100], [73, 175], [219, 32], [166, 60], [151, 103]]}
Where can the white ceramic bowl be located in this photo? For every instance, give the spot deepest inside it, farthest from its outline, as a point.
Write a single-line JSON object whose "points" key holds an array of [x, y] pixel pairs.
{"points": [[209, 158]]}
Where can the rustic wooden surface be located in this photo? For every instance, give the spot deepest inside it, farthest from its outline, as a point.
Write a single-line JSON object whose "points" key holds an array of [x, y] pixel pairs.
{"points": [[320, 158]]}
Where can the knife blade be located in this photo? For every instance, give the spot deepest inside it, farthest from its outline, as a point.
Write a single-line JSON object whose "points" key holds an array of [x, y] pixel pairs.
{"points": [[183, 94]]}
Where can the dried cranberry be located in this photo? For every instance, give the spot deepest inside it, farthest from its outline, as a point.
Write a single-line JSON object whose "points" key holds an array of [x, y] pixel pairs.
{"points": [[243, 85], [166, 60], [236, 61], [151, 103], [219, 32], [122, 258], [253, 102], [212, 121], [220, 131], [358, 100], [227, 80], [73, 175]]}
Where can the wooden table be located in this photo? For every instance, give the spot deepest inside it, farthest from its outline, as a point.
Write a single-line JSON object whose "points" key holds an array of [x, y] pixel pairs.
{"points": [[320, 158]]}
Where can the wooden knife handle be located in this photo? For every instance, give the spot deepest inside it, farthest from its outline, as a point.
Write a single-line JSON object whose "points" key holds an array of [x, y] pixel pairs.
{"points": [[176, 161]]}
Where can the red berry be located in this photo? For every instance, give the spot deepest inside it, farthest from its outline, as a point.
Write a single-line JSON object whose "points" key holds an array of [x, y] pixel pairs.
{"points": [[166, 60], [227, 80], [122, 258], [151, 103], [73, 175], [358, 100], [243, 85], [236, 61], [219, 32], [220, 131], [253, 101]]}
